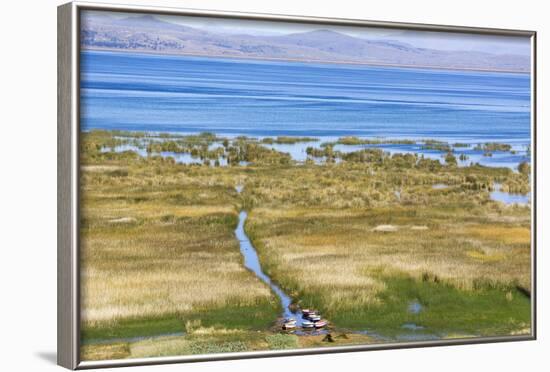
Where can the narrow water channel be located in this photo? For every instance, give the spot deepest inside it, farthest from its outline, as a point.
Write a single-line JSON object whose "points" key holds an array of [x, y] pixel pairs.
{"points": [[252, 262]]}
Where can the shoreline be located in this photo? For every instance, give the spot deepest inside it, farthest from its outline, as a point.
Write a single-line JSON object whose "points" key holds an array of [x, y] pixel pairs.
{"points": [[318, 138], [298, 60], [496, 154]]}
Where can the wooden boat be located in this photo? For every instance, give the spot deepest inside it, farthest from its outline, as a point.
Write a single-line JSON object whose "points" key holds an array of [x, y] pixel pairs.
{"points": [[321, 324], [290, 325], [290, 320], [307, 324]]}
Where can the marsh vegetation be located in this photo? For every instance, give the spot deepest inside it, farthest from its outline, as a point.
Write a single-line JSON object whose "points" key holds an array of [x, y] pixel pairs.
{"points": [[359, 235]]}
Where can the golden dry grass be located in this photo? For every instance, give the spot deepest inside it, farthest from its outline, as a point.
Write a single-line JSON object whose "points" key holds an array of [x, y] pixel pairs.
{"points": [[501, 233], [341, 261], [153, 258], [344, 252]]}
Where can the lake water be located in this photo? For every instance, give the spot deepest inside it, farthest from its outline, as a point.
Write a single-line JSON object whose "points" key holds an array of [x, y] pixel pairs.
{"points": [[231, 97], [509, 198], [498, 195], [131, 91], [298, 152]]}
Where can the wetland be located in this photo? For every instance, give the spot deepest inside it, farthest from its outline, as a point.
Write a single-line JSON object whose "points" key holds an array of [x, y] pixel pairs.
{"points": [[221, 196]]}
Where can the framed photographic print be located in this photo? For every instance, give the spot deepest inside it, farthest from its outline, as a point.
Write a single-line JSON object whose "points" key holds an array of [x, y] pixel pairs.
{"points": [[238, 185]]}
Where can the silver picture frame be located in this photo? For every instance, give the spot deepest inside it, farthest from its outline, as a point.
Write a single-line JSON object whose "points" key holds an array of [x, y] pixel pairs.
{"points": [[68, 304]]}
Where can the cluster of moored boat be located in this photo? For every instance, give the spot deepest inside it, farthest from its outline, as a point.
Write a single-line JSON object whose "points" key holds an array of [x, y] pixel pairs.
{"points": [[312, 320]]}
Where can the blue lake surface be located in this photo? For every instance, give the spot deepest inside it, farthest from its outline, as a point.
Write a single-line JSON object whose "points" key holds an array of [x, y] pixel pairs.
{"points": [[132, 91], [509, 198]]}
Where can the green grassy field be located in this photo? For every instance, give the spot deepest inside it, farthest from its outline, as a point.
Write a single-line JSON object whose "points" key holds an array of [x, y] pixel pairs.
{"points": [[360, 240]]}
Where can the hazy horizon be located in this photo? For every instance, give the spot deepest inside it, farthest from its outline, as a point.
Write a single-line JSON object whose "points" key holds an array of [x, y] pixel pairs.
{"points": [[442, 41]]}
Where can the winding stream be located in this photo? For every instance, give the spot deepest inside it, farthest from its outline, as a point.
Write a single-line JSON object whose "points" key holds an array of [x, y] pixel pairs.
{"points": [[252, 262]]}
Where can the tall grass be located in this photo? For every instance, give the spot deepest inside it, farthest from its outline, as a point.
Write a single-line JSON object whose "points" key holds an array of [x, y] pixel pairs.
{"points": [[458, 264], [359, 240], [154, 256]]}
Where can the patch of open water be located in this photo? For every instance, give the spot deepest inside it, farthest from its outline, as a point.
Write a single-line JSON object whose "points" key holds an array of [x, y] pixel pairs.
{"points": [[509, 198]]}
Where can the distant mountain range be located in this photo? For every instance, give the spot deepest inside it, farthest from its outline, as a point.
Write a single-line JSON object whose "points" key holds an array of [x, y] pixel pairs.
{"points": [[149, 34]]}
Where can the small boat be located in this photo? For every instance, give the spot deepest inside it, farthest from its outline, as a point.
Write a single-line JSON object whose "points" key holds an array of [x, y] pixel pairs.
{"points": [[289, 325], [306, 311], [314, 318], [290, 320], [307, 324], [321, 324]]}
